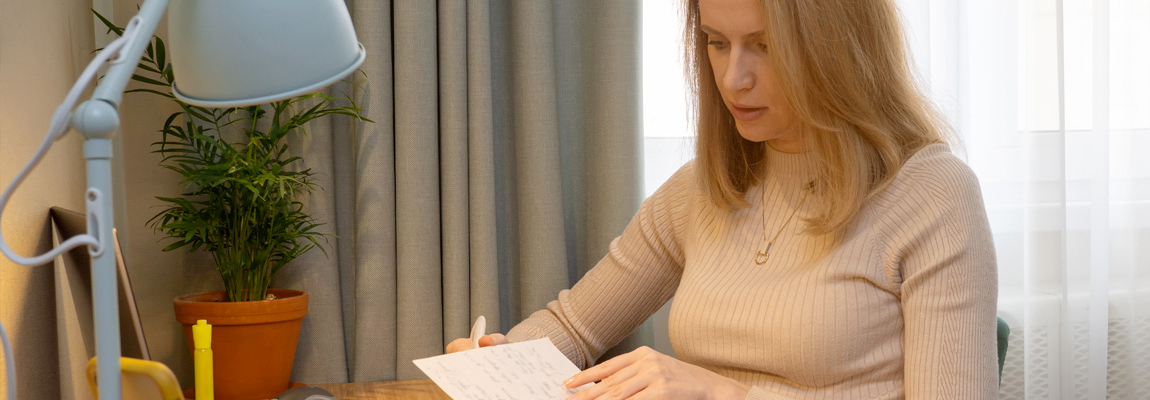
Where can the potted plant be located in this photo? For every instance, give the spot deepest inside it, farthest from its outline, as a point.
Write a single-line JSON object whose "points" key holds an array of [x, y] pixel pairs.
{"points": [[241, 205]]}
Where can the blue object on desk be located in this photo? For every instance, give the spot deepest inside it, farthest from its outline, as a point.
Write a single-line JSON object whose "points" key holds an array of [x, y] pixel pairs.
{"points": [[305, 393]]}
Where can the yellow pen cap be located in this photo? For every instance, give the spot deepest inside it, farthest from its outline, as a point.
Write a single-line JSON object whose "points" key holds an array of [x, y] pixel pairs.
{"points": [[202, 334]]}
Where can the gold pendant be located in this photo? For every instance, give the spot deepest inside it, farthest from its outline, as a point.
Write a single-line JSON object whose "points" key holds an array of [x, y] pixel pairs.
{"points": [[761, 257]]}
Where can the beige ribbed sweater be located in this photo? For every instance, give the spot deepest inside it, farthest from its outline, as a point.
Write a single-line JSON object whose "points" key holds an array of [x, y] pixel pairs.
{"points": [[902, 306]]}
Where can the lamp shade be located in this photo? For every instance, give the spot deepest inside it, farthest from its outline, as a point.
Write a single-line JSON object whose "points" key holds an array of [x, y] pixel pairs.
{"points": [[231, 53]]}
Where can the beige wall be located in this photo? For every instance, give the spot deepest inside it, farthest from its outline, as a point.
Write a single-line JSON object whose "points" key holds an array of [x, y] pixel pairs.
{"points": [[37, 66], [44, 45]]}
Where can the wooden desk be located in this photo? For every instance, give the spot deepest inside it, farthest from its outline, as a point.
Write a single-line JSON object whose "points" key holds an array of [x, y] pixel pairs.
{"points": [[415, 390]]}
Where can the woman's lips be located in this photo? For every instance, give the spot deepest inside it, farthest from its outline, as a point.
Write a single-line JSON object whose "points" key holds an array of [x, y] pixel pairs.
{"points": [[747, 113]]}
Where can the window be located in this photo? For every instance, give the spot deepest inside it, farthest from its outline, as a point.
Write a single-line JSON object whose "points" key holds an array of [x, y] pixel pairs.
{"points": [[668, 143]]}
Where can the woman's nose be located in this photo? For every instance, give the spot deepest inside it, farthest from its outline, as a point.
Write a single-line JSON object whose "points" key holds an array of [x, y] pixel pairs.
{"points": [[740, 73]]}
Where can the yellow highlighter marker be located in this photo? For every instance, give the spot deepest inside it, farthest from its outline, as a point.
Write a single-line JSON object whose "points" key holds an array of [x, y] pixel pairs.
{"points": [[202, 340]]}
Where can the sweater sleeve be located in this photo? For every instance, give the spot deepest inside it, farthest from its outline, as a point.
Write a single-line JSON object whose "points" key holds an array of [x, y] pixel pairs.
{"points": [[939, 254], [637, 276]]}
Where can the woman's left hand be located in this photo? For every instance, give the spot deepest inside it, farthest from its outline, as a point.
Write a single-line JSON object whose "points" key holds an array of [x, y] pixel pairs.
{"points": [[648, 374]]}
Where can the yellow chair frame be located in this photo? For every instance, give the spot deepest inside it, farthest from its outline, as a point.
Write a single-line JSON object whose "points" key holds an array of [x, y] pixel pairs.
{"points": [[152, 371]]}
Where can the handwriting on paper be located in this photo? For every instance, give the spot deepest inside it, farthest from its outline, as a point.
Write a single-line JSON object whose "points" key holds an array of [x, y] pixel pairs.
{"points": [[527, 370]]}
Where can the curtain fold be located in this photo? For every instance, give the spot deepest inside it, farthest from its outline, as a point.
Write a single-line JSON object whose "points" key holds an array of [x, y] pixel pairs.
{"points": [[419, 296], [504, 157], [539, 232], [483, 262], [1051, 101], [370, 329], [456, 186]]}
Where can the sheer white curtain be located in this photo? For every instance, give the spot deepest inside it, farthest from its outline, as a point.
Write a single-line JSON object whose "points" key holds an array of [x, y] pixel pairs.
{"points": [[1051, 100]]}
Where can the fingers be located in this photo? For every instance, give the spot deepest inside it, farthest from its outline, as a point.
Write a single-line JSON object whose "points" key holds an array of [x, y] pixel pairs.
{"points": [[647, 374], [493, 339], [463, 344], [608, 368], [596, 373], [459, 345], [620, 385]]}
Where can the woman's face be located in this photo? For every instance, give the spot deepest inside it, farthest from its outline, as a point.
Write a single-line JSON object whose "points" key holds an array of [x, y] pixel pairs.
{"points": [[743, 73]]}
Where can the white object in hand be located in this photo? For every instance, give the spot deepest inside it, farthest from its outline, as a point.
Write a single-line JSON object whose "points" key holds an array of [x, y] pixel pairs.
{"points": [[534, 369], [477, 331]]}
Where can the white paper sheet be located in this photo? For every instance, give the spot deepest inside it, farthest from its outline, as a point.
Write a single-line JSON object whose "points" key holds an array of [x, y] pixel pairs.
{"points": [[527, 370]]}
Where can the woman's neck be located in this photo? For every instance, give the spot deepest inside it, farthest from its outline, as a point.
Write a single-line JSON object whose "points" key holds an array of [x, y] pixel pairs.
{"points": [[788, 163], [785, 145]]}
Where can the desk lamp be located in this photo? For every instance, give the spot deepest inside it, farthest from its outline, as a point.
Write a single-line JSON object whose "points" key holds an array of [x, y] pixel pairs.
{"points": [[225, 53]]}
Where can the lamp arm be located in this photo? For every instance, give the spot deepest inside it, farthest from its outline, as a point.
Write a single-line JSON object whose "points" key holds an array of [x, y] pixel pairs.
{"points": [[97, 119], [90, 118], [56, 130], [112, 85]]}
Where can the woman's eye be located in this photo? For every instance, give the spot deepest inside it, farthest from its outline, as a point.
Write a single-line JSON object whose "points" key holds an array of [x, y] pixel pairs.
{"points": [[762, 46], [717, 43]]}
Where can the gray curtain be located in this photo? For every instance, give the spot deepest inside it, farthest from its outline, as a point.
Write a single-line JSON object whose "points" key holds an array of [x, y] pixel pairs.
{"points": [[504, 158]]}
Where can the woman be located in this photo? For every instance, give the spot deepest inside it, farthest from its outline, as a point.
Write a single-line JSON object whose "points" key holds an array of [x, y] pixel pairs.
{"points": [[824, 243]]}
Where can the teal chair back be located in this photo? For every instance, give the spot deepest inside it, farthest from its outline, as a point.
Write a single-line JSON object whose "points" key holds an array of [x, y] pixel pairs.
{"points": [[1003, 341]]}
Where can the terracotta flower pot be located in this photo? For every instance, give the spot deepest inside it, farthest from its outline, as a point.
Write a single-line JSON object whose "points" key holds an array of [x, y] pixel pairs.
{"points": [[253, 342]]}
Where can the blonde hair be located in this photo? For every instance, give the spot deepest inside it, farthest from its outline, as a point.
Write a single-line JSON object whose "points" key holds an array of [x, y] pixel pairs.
{"points": [[843, 70]]}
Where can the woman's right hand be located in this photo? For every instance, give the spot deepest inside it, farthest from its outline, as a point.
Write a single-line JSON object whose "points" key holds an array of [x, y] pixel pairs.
{"points": [[463, 344]]}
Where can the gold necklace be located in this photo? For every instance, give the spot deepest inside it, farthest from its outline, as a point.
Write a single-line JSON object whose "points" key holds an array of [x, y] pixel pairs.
{"points": [[762, 256]]}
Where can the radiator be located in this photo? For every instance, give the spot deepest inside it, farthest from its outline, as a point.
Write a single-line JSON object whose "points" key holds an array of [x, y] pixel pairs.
{"points": [[1128, 351]]}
